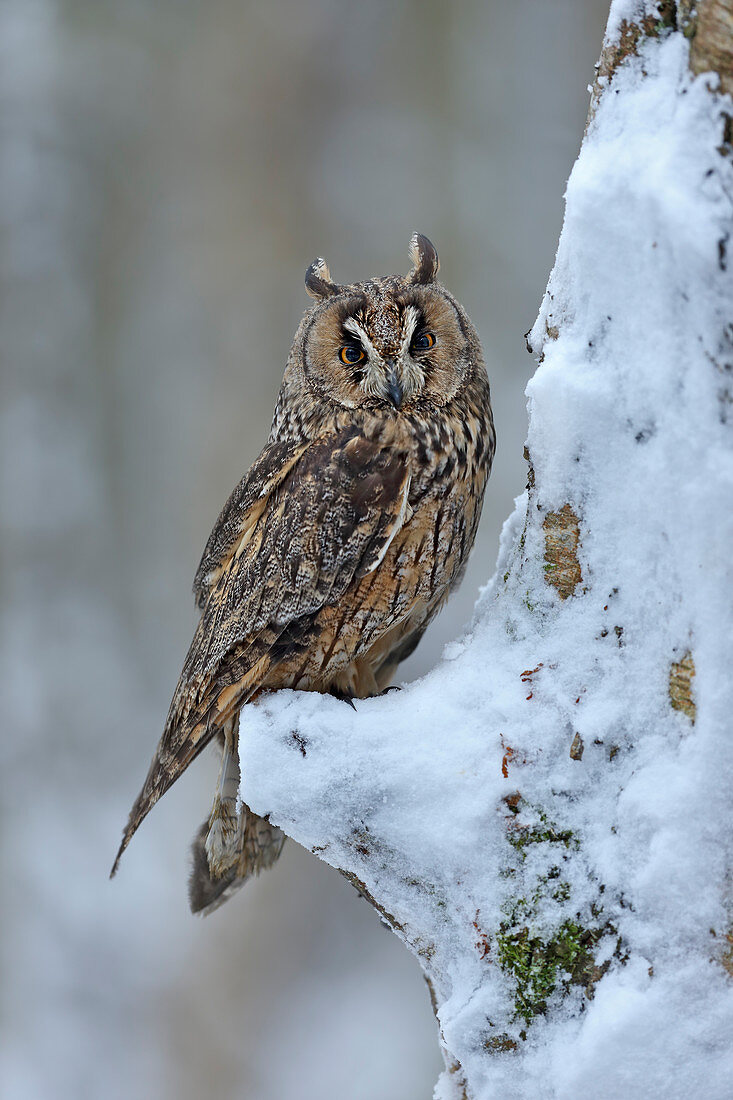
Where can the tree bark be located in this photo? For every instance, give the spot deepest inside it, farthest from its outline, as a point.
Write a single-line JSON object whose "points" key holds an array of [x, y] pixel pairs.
{"points": [[545, 821]]}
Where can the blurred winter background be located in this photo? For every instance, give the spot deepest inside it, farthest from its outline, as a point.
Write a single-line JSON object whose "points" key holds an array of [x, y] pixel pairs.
{"points": [[168, 169]]}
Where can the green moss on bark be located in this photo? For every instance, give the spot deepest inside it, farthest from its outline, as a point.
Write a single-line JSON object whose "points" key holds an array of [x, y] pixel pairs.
{"points": [[541, 954]]}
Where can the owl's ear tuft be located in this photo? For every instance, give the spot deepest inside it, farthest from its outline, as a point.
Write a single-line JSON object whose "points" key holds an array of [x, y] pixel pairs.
{"points": [[424, 260], [318, 280]]}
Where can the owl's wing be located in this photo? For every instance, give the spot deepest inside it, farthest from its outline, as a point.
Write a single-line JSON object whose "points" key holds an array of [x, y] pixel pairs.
{"points": [[242, 510], [327, 522]]}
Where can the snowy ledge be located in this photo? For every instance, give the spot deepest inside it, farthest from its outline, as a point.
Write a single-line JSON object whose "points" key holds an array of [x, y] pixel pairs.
{"points": [[545, 819]]}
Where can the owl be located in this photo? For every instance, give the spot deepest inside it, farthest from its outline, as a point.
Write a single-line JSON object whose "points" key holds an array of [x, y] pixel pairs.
{"points": [[340, 544]]}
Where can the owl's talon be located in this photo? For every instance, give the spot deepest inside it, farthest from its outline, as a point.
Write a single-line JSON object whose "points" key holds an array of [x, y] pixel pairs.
{"points": [[392, 687], [343, 697]]}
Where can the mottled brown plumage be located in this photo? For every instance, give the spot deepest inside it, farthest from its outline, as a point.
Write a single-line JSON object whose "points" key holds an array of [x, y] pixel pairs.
{"points": [[343, 540]]}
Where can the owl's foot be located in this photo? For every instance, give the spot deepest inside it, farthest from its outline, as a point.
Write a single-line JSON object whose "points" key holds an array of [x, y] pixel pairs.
{"points": [[223, 839], [234, 843], [226, 821], [259, 846]]}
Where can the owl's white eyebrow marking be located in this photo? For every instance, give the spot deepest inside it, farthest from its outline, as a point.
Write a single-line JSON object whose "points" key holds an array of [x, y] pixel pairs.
{"points": [[352, 325], [412, 316]]}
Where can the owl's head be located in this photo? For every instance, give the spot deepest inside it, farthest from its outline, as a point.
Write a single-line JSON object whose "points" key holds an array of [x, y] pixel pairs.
{"points": [[393, 343]]}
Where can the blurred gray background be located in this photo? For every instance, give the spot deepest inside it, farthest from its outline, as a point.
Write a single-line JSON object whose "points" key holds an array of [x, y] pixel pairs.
{"points": [[168, 168]]}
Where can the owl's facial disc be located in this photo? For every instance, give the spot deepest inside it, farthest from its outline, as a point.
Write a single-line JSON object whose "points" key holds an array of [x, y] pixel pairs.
{"points": [[396, 371], [388, 346]]}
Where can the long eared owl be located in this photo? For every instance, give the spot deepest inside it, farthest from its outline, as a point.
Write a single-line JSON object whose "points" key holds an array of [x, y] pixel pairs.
{"points": [[342, 541]]}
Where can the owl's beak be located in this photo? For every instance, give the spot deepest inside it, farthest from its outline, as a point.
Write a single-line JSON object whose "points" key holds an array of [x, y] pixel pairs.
{"points": [[394, 387]]}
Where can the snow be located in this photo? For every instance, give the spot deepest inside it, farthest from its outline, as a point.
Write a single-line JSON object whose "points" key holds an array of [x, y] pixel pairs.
{"points": [[628, 11], [630, 423]]}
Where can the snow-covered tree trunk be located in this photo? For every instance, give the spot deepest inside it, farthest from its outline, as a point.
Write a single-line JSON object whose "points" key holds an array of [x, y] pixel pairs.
{"points": [[545, 820]]}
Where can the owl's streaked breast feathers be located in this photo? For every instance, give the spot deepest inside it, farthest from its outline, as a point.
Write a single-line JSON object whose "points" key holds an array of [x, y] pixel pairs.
{"points": [[341, 543]]}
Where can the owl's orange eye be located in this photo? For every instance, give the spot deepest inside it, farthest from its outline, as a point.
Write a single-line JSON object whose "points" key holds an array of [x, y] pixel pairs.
{"points": [[351, 355], [423, 341]]}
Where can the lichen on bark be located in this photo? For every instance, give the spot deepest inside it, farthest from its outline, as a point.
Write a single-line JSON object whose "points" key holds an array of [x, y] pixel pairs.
{"points": [[709, 26], [681, 675], [562, 538], [726, 958]]}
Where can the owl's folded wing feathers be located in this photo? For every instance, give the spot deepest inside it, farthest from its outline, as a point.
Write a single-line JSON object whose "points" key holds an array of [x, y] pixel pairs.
{"points": [[244, 506], [278, 554]]}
